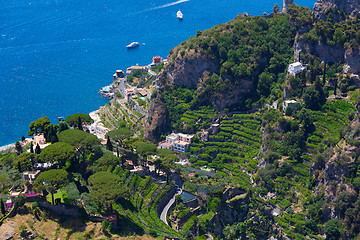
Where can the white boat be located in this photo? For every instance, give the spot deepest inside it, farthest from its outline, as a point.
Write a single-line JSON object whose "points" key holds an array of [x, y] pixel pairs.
{"points": [[179, 15], [132, 45]]}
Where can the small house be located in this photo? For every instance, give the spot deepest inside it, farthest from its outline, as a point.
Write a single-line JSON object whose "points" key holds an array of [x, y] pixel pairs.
{"points": [[156, 60], [165, 145], [185, 137], [39, 139], [130, 70], [295, 68], [177, 142], [289, 103], [181, 146]]}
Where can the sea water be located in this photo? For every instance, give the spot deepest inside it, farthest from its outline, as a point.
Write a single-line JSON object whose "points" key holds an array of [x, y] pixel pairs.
{"points": [[55, 55]]}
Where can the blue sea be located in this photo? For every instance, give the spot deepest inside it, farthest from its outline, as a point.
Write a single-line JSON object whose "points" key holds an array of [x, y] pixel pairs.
{"points": [[55, 55]]}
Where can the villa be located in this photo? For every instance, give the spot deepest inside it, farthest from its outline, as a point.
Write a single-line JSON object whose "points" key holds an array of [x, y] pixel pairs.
{"points": [[291, 103], [179, 142], [295, 68], [130, 70]]}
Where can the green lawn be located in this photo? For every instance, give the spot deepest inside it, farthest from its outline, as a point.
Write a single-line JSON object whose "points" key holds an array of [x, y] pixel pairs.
{"points": [[59, 194]]}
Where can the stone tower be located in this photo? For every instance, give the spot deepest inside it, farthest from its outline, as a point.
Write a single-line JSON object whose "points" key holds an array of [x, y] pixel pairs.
{"points": [[286, 4]]}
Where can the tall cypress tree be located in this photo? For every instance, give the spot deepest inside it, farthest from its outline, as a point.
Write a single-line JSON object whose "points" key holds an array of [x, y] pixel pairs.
{"points": [[31, 147], [37, 149], [79, 124], [335, 85], [324, 74], [2, 207], [18, 147], [109, 145]]}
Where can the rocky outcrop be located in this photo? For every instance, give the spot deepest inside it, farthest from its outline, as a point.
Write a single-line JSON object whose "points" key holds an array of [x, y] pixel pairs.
{"points": [[352, 60], [231, 210], [331, 54], [332, 176], [350, 7], [158, 120], [328, 53], [191, 70], [187, 72], [286, 4]]}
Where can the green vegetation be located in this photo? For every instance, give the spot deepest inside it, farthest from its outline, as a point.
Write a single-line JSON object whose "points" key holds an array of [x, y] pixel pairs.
{"points": [[141, 208], [233, 149], [106, 188], [51, 180], [73, 120], [262, 172], [60, 153]]}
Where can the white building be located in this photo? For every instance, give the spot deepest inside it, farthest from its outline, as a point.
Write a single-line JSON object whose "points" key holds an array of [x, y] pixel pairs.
{"points": [[291, 103], [185, 137], [181, 146], [177, 142], [295, 68]]}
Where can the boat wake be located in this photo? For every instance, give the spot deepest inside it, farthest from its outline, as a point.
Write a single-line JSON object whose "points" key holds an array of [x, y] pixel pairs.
{"points": [[165, 5]]}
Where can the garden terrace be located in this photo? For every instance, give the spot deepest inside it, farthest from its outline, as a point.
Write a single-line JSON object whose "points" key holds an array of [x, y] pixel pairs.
{"points": [[233, 149], [335, 115], [198, 119], [145, 196]]}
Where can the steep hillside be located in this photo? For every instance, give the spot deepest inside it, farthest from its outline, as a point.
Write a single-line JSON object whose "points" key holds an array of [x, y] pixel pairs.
{"points": [[242, 59], [297, 166]]}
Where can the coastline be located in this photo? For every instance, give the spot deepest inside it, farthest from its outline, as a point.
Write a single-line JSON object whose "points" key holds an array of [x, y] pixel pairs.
{"points": [[12, 145], [6, 147]]}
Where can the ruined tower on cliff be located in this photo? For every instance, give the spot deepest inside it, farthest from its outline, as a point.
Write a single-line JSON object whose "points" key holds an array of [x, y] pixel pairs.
{"points": [[286, 4]]}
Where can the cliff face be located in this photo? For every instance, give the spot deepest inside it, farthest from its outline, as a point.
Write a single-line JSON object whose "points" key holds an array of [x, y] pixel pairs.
{"points": [[286, 3], [229, 211], [158, 120], [331, 54], [350, 7], [191, 71], [352, 59], [187, 72]]}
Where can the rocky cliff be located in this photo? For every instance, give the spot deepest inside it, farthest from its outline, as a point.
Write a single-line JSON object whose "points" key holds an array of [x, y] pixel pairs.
{"points": [[232, 209], [350, 7], [190, 70]]}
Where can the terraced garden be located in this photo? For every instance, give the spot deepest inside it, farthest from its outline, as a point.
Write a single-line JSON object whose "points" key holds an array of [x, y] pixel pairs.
{"points": [[327, 124], [145, 196], [198, 119], [233, 149]]}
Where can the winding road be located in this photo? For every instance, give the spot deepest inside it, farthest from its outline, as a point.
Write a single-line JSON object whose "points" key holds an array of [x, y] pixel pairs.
{"points": [[178, 185]]}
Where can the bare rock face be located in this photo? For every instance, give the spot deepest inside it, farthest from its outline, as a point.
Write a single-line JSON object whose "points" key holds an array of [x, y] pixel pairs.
{"points": [[352, 59], [229, 213], [192, 72], [187, 71], [232, 97], [350, 7], [157, 122], [286, 3], [332, 177], [330, 54]]}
